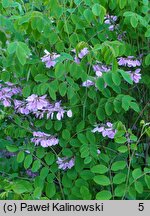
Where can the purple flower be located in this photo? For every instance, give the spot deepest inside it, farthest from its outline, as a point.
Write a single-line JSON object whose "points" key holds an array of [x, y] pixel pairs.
{"points": [[77, 60], [110, 20], [111, 28], [50, 59], [100, 68], [106, 130], [107, 21], [7, 90], [88, 83], [6, 102], [64, 163], [83, 52], [20, 107], [45, 140], [31, 174], [130, 61], [97, 69], [135, 76], [36, 103]]}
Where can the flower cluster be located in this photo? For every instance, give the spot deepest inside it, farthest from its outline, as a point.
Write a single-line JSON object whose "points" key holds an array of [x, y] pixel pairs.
{"points": [[110, 20], [49, 59], [45, 140], [40, 106], [135, 75], [88, 83], [100, 68], [80, 55], [8, 90], [31, 174], [106, 130], [130, 62], [64, 163]]}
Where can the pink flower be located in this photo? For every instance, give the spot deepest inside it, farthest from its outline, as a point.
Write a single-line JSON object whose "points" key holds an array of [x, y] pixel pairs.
{"points": [[64, 163], [106, 130], [83, 52], [44, 139], [50, 59], [136, 76], [36, 103], [88, 83]]}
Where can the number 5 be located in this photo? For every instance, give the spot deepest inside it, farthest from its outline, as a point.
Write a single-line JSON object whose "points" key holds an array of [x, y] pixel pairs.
{"points": [[141, 206]]}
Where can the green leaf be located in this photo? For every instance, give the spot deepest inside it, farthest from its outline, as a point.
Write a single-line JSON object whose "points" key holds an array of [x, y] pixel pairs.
{"points": [[36, 166], [99, 10], [26, 91], [20, 157], [41, 78], [100, 169], [116, 78], [44, 172], [40, 152], [118, 165], [134, 21], [88, 15], [57, 125], [120, 140], [22, 52], [138, 187], [5, 76], [12, 47], [53, 38], [104, 195], [80, 126], [119, 178], [147, 180], [60, 70], [100, 83], [147, 60], [126, 100], [108, 78], [123, 149], [63, 89], [135, 106], [100, 113], [37, 192], [66, 134], [147, 33], [28, 161], [67, 152], [126, 76], [85, 193], [122, 3], [21, 187], [87, 160], [136, 173], [12, 148], [108, 108], [49, 158], [102, 180], [52, 93], [120, 190], [50, 190]]}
